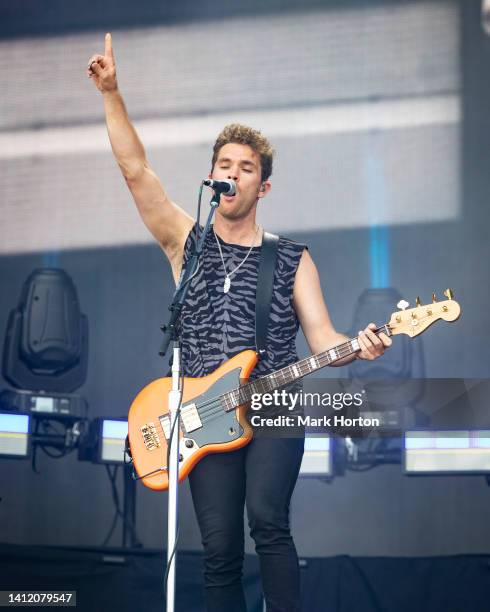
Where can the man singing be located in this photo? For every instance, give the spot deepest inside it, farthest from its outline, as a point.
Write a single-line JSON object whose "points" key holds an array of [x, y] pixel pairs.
{"points": [[218, 321]]}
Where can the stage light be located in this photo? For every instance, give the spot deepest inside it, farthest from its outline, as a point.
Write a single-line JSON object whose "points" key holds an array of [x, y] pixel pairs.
{"points": [[46, 342], [447, 452], [317, 458], [45, 358], [14, 435], [104, 441], [66, 408], [113, 437]]}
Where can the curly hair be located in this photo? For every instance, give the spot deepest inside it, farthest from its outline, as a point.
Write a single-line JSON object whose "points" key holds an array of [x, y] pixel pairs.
{"points": [[242, 134]]}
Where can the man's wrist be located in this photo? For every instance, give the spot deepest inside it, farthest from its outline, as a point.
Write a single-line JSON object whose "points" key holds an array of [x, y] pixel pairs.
{"points": [[111, 92]]}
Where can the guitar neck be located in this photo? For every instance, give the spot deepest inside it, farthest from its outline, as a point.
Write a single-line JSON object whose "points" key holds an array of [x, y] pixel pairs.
{"points": [[296, 371]]}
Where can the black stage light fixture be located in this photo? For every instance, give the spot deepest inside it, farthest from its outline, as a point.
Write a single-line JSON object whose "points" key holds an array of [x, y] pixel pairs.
{"points": [[45, 359], [393, 384], [406, 358], [46, 343], [62, 407]]}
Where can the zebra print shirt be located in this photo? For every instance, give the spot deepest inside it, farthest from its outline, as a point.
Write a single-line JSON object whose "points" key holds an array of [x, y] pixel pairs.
{"points": [[217, 325]]}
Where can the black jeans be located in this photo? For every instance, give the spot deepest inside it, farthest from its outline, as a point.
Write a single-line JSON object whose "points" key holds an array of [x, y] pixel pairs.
{"points": [[262, 475]]}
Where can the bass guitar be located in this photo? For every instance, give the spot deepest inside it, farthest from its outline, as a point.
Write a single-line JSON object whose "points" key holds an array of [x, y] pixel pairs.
{"points": [[213, 408]]}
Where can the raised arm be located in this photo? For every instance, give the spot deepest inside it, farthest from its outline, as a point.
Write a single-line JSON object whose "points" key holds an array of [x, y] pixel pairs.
{"points": [[168, 223]]}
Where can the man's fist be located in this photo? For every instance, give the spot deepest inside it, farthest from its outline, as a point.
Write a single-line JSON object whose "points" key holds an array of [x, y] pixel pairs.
{"points": [[102, 68]]}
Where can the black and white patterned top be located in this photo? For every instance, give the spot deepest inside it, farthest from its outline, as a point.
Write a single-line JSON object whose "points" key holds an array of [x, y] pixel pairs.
{"points": [[216, 325]]}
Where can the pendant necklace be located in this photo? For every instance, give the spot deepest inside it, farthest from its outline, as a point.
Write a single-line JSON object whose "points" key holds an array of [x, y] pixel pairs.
{"points": [[227, 283]]}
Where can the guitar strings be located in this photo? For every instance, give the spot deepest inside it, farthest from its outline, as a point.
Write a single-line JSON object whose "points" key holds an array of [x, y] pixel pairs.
{"points": [[215, 407], [340, 349]]}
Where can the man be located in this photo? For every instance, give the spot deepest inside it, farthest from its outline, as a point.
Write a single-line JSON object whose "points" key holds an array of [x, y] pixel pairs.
{"points": [[217, 322]]}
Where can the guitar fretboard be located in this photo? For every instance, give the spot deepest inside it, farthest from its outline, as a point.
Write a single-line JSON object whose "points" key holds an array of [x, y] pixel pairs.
{"points": [[287, 375]]}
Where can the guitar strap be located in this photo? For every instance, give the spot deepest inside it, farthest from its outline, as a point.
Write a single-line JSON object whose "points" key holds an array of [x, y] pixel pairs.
{"points": [[265, 285]]}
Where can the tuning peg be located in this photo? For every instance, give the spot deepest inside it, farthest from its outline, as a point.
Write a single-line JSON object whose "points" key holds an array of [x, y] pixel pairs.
{"points": [[434, 299], [402, 304], [417, 301], [449, 294]]}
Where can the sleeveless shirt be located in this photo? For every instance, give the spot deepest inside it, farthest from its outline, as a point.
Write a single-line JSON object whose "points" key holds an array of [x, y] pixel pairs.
{"points": [[215, 326]]}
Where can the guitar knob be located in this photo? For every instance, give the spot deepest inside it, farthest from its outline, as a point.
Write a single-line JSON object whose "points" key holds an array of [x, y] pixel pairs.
{"points": [[434, 299], [402, 305], [418, 302], [449, 294]]}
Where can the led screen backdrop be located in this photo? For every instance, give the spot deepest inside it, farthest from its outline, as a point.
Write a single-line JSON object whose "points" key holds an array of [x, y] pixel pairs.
{"points": [[362, 106]]}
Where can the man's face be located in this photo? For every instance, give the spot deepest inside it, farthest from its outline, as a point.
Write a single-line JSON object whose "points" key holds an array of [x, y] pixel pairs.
{"points": [[242, 164]]}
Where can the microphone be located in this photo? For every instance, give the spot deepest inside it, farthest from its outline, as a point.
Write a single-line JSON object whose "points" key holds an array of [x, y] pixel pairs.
{"points": [[224, 187]]}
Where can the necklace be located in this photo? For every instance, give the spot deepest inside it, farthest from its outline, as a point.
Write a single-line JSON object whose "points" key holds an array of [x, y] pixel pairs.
{"points": [[227, 283]]}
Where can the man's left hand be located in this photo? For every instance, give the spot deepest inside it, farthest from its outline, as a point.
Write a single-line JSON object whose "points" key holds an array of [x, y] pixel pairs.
{"points": [[372, 346]]}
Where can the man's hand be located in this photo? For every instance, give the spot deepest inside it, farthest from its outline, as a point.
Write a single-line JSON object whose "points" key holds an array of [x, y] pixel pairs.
{"points": [[102, 68], [372, 346]]}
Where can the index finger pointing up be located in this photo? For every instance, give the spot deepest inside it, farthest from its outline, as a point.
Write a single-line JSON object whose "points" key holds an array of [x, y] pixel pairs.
{"points": [[108, 45]]}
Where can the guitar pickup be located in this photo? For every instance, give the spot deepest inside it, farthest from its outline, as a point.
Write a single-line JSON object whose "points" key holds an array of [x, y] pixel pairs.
{"points": [[190, 418], [165, 423]]}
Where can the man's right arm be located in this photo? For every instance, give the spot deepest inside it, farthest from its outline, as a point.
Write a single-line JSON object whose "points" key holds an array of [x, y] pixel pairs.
{"points": [[168, 223]]}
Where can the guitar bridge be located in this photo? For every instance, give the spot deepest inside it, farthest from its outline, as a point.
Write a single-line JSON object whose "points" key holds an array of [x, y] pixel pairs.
{"points": [[150, 436]]}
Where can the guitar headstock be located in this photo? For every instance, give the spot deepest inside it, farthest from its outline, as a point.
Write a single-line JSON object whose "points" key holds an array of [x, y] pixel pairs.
{"points": [[413, 321]]}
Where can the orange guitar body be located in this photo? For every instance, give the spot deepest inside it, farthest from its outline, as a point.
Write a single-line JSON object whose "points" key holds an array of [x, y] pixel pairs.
{"points": [[225, 431]]}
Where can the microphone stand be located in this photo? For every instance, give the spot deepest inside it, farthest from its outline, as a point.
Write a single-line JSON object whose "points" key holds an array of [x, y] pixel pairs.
{"points": [[174, 402]]}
